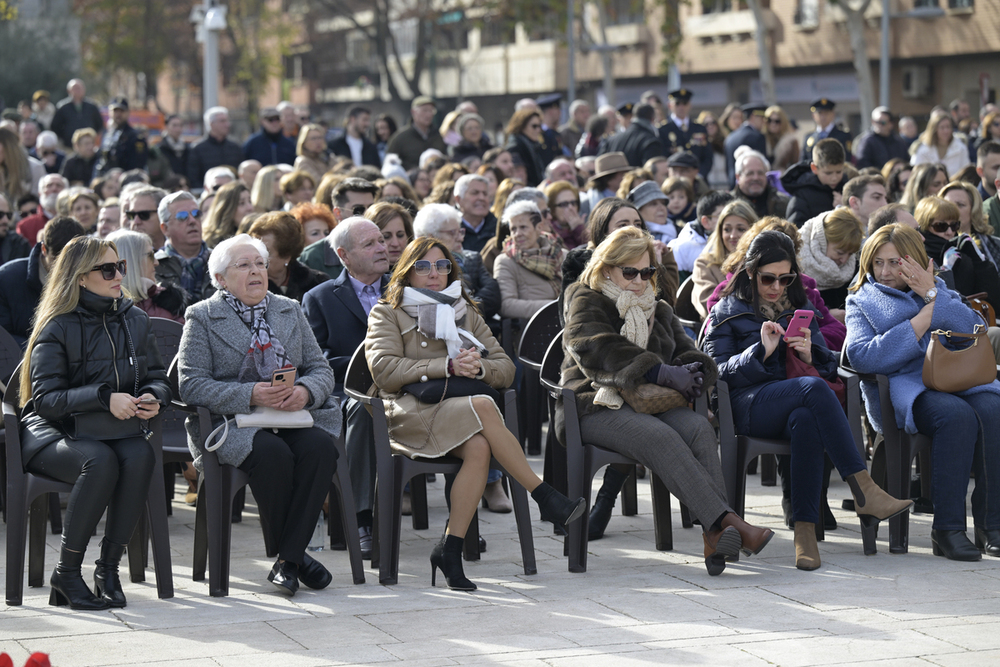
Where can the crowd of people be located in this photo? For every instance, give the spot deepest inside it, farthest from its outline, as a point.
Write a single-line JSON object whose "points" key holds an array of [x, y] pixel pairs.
{"points": [[286, 254]]}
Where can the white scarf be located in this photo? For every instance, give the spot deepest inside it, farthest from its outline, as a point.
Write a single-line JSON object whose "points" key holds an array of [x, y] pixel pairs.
{"points": [[439, 315], [814, 262], [637, 312]]}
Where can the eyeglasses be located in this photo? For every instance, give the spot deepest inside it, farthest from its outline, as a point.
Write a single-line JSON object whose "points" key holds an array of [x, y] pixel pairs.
{"points": [[546, 213], [785, 279], [359, 209], [630, 272], [569, 203], [458, 233], [941, 226], [245, 265], [143, 215], [151, 256], [272, 119], [774, 121], [184, 215], [5, 215], [534, 126], [28, 211], [422, 267], [109, 269]]}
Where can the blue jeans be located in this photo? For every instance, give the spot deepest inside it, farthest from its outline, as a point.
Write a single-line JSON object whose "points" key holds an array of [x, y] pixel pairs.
{"points": [[965, 435], [805, 411]]}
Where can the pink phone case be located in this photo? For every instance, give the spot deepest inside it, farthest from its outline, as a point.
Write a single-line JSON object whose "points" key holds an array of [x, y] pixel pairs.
{"points": [[799, 323]]}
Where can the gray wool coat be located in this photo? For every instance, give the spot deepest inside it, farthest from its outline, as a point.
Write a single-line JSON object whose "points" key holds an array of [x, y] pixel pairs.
{"points": [[213, 347]]}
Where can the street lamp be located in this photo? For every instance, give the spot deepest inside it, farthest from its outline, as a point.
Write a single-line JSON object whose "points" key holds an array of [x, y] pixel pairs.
{"points": [[883, 64], [209, 20]]}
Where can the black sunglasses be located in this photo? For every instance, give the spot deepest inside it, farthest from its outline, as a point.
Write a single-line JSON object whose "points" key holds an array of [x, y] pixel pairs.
{"points": [[941, 227], [422, 267], [143, 215], [358, 209], [630, 272], [272, 119], [5, 215], [109, 269], [786, 279], [28, 211]]}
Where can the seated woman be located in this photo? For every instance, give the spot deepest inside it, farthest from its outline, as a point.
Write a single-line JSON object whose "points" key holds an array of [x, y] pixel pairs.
{"points": [[618, 331], [734, 220], [281, 234], [830, 242], [311, 151], [925, 180], [529, 268], [296, 187], [118, 384], [396, 224], [408, 343], [564, 202], [316, 219], [894, 306], [266, 192], [232, 344], [157, 300], [231, 204], [970, 213], [778, 386]]}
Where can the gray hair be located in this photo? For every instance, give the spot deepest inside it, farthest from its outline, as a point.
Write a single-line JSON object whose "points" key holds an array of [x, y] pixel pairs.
{"points": [[577, 105], [464, 182], [144, 190], [555, 163], [43, 181], [340, 237], [524, 194], [222, 254], [212, 113], [518, 208], [284, 104], [212, 173], [432, 217], [878, 111], [47, 139], [744, 154], [163, 208], [132, 248]]}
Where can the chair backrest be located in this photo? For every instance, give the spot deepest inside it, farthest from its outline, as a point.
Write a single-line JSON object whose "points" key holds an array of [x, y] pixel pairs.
{"points": [[359, 380], [168, 337], [538, 333], [551, 371], [683, 306], [10, 355], [12, 420]]}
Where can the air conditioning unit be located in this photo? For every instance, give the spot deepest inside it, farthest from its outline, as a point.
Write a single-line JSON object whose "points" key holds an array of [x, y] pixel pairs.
{"points": [[916, 81]]}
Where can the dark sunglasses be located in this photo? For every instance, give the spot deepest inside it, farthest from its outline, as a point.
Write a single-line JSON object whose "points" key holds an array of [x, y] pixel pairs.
{"points": [[570, 203], [184, 215], [630, 272], [109, 269], [422, 267], [28, 211], [5, 215], [143, 215], [358, 209], [786, 279], [534, 126], [941, 227], [272, 119], [774, 121]]}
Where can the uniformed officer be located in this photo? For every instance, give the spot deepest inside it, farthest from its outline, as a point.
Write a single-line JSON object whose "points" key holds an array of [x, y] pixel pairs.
{"points": [[625, 116], [748, 134], [122, 147], [681, 133], [551, 148], [826, 126]]}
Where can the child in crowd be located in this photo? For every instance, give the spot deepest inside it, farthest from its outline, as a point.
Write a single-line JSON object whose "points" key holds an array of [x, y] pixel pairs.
{"points": [[681, 207], [692, 238], [816, 186]]}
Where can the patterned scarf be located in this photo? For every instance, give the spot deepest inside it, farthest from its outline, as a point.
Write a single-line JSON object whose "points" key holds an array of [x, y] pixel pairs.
{"points": [[771, 311], [192, 270], [637, 312], [545, 260], [266, 353], [440, 315]]}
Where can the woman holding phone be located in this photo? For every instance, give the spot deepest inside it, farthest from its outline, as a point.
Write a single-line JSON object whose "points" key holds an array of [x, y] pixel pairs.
{"points": [[91, 370], [779, 376]]}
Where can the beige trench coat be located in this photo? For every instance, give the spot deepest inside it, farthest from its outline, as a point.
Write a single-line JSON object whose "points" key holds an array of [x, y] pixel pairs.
{"points": [[706, 277], [398, 354]]}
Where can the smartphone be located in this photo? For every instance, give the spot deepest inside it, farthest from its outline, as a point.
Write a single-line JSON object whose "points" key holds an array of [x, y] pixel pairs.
{"points": [[283, 377], [799, 324], [149, 400]]}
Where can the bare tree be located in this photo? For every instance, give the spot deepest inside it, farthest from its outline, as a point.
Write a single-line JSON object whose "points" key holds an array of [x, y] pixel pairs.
{"points": [[854, 11], [763, 40]]}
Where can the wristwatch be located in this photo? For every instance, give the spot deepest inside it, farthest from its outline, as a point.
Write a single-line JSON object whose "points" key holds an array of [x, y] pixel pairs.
{"points": [[930, 295]]}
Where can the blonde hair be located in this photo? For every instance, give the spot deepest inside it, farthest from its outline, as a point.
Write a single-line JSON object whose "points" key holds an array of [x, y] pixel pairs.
{"points": [[768, 222], [506, 186], [977, 220], [262, 194], [931, 209], [907, 240], [220, 221], [929, 135], [300, 147], [843, 230], [715, 249], [61, 293], [621, 247], [132, 247]]}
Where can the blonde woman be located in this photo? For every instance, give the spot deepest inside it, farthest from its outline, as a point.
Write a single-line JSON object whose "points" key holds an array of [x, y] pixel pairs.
{"points": [[311, 151], [938, 143], [782, 146], [831, 241], [734, 220], [15, 171], [970, 214], [232, 203], [266, 192]]}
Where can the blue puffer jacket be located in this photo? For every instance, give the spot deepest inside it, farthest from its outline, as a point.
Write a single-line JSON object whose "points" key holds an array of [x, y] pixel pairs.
{"points": [[880, 339], [732, 339]]}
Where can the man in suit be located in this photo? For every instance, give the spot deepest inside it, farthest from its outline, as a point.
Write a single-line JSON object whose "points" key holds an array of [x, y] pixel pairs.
{"points": [[639, 142], [825, 117], [550, 108], [748, 134], [337, 311], [355, 144], [681, 133]]}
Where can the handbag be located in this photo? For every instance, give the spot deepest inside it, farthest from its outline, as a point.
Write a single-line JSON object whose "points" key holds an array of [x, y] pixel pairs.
{"points": [[261, 417], [983, 307], [105, 426], [435, 391], [952, 371], [795, 368], [652, 399]]}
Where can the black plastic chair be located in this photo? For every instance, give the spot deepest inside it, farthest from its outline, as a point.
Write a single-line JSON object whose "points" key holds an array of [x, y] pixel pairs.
{"points": [[535, 339], [684, 308], [28, 507], [394, 470]]}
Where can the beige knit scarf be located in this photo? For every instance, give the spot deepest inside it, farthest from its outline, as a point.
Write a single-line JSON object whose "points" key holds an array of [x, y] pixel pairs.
{"points": [[637, 312]]}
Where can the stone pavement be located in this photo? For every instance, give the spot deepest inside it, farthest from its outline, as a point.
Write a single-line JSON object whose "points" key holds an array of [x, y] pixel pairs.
{"points": [[634, 606]]}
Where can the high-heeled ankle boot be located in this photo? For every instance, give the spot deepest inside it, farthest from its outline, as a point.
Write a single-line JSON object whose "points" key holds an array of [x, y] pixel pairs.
{"points": [[720, 545], [447, 555], [107, 585], [68, 586], [954, 545], [988, 541], [806, 548], [754, 539], [600, 513], [555, 507], [872, 503]]}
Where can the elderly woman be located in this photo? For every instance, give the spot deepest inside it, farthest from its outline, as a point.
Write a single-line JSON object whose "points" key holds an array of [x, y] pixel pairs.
{"points": [[474, 142], [618, 331], [157, 300], [564, 202], [529, 270], [939, 145], [830, 242], [778, 383], [311, 152], [894, 306], [524, 137], [231, 204], [85, 412], [281, 234], [232, 345], [396, 225], [84, 205], [734, 220], [427, 329], [297, 187], [970, 213]]}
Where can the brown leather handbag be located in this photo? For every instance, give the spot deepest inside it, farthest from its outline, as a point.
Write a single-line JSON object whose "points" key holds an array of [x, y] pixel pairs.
{"points": [[952, 371], [652, 399]]}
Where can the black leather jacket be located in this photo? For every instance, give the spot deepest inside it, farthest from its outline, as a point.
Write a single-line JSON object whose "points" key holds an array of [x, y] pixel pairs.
{"points": [[79, 359]]}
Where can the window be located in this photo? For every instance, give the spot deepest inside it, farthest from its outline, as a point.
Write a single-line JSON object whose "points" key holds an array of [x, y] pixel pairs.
{"points": [[716, 6], [961, 4], [624, 12], [925, 4], [405, 32], [807, 14], [496, 31]]}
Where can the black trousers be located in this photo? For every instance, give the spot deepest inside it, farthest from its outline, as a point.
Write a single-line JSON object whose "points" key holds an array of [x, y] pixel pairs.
{"points": [[114, 475], [290, 474]]}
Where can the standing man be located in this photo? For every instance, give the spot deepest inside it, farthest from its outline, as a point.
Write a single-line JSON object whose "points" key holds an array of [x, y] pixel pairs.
{"points": [[748, 134], [355, 143], [550, 108], [570, 133], [289, 121], [214, 149], [825, 117], [681, 133], [75, 113], [412, 141], [173, 147], [184, 258], [269, 145], [122, 148], [879, 144], [640, 142], [473, 202]]}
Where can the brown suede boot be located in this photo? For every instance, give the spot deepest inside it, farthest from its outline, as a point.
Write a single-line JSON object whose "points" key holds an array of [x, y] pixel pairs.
{"points": [[806, 548], [719, 546], [754, 538], [872, 503]]}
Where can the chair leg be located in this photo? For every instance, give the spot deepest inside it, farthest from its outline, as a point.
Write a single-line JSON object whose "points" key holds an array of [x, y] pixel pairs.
{"points": [[686, 521], [200, 549], [136, 568], [630, 495], [768, 470], [341, 495], [17, 534], [335, 524], [522, 516], [157, 530], [219, 514], [55, 513], [662, 526], [36, 539], [239, 503], [418, 502], [470, 547]]}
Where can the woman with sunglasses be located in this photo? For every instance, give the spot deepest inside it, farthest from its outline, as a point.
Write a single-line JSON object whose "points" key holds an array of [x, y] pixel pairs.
{"points": [[617, 331], [970, 213], [427, 328], [524, 132], [973, 272], [778, 386], [895, 304], [564, 202], [91, 358], [782, 144]]}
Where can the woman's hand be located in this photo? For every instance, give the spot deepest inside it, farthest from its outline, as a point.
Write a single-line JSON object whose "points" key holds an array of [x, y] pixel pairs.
{"points": [[296, 400], [147, 410], [124, 406], [770, 334], [659, 247], [574, 219], [266, 396], [802, 345], [467, 364], [917, 278]]}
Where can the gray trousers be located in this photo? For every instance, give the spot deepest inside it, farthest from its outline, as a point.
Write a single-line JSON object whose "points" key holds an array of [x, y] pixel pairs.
{"points": [[679, 446], [360, 441]]}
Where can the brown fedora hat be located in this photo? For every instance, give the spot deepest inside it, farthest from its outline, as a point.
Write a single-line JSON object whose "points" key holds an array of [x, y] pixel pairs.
{"points": [[610, 163]]}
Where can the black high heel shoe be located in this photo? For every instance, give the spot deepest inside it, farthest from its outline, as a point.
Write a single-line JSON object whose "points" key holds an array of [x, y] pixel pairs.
{"points": [[447, 555], [988, 541], [954, 545], [555, 507], [68, 586]]}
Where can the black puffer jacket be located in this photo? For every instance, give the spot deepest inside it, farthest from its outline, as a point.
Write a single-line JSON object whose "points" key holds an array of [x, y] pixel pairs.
{"points": [[80, 358], [809, 196]]}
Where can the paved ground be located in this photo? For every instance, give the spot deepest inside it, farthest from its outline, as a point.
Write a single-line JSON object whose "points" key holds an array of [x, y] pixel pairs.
{"points": [[635, 606]]}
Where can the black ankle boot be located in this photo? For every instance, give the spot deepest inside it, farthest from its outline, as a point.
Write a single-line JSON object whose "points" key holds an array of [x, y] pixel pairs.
{"points": [[68, 586], [107, 585], [555, 507], [447, 555], [600, 513]]}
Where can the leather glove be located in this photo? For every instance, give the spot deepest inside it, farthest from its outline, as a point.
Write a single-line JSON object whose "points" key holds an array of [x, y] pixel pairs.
{"points": [[687, 379]]}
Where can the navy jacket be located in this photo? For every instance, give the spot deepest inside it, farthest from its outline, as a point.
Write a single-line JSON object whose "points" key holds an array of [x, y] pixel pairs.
{"points": [[874, 150], [745, 135], [338, 321], [809, 196], [210, 152], [476, 241], [269, 149], [369, 153], [695, 139], [20, 291], [639, 143]]}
